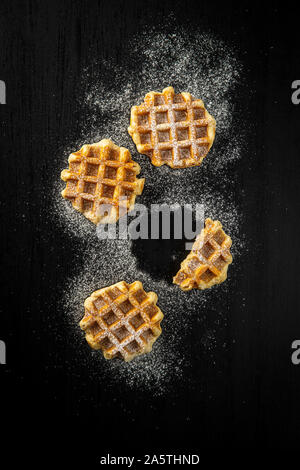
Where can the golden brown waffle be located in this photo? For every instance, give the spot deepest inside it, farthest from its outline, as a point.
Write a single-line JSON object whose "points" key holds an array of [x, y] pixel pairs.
{"points": [[122, 320], [208, 261], [101, 181], [175, 130]]}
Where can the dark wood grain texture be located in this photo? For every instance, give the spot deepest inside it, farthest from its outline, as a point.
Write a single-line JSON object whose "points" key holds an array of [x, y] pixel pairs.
{"points": [[252, 397]]}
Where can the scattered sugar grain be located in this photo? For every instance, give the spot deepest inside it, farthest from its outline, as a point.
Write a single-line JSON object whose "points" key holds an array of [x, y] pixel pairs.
{"points": [[208, 68]]}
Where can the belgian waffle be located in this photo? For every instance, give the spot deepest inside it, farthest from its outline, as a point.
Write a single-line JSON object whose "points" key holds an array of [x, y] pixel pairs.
{"points": [[122, 320], [175, 130], [101, 181], [208, 261]]}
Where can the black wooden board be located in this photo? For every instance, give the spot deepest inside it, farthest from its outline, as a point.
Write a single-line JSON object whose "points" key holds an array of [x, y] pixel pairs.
{"points": [[251, 399]]}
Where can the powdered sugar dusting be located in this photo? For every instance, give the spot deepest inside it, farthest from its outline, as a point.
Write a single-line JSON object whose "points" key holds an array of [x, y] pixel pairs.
{"points": [[207, 68]]}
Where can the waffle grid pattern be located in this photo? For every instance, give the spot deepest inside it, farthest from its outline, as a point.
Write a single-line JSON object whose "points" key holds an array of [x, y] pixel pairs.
{"points": [[101, 181], [172, 129], [122, 320], [208, 261]]}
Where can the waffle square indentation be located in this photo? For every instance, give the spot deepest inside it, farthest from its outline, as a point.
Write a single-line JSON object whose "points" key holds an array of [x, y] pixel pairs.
{"points": [[89, 188], [159, 100], [199, 113], [143, 119], [184, 152], [110, 317], [87, 205], [163, 136], [201, 132], [126, 306], [110, 172], [140, 296], [92, 169], [106, 343], [133, 347], [180, 115], [99, 303], [207, 276], [147, 335], [207, 250], [121, 333], [136, 321], [151, 310], [166, 154], [161, 118], [219, 237], [145, 137], [107, 191]]}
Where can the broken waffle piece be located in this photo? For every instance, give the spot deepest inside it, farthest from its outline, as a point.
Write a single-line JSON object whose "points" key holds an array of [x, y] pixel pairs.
{"points": [[208, 261], [174, 130], [101, 181], [122, 320]]}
